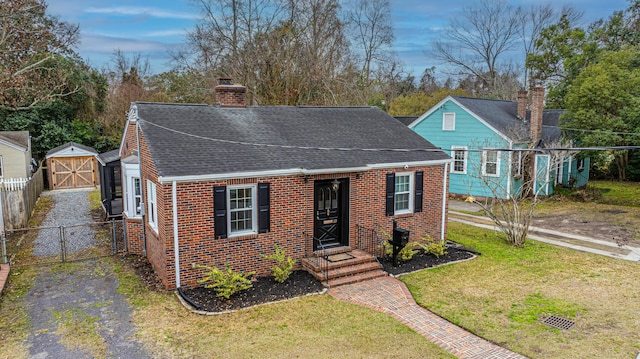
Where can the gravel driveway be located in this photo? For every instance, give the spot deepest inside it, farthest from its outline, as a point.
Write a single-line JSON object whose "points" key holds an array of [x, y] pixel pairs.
{"points": [[81, 294]]}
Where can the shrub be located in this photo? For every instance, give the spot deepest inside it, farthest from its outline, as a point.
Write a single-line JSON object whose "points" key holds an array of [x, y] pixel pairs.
{"points": [[436, 247], [225, 283], [405, 254], [284, 268]]}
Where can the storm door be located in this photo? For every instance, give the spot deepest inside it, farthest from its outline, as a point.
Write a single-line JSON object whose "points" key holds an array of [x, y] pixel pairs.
{"points": [[331, 212]]}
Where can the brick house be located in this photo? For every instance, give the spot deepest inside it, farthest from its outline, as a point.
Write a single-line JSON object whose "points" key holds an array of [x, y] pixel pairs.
{"points": [[218, 185]]}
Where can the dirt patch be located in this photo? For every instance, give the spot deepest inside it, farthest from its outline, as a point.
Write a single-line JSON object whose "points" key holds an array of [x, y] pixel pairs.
{"points": [[606, 224], [145, 272]]}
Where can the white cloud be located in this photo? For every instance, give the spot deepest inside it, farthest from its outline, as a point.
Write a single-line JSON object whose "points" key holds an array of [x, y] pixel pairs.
{"points": [[145, 11], [165, 33]]}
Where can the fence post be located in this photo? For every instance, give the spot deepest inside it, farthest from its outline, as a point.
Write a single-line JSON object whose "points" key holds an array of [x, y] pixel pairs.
{"points": [[3, 238], [114, 248], [62, 246], [124, 236]]}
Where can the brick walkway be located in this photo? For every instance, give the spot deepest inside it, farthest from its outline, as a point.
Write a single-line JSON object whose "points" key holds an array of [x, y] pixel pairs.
{"points": [[389, 295]]}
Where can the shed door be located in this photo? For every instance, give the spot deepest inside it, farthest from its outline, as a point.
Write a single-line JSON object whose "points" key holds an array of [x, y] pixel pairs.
{"points": [[72, 172]]}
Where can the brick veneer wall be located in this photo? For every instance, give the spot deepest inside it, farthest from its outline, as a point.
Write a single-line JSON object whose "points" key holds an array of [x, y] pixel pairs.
{"points": [[292, 201]]}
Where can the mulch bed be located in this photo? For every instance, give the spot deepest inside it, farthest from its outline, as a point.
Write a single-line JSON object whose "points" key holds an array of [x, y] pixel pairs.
{"points": [[300, 283], [422, 261]]}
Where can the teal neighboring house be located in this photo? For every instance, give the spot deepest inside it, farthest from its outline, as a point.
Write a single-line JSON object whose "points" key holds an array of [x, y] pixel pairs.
{"points": [[487, 138]]}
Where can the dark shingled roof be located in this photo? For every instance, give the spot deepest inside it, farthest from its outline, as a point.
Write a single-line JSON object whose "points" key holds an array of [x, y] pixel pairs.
{"points": [[188, 140], [406, 120], [18, 138], [108, 157], [503, 116]]}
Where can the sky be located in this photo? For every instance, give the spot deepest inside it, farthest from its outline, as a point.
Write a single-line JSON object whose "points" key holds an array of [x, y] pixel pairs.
{"points": [[154, 28]]}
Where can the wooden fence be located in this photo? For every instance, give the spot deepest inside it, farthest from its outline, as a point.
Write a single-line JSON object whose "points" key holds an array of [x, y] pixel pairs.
{"points": [[19, 198]]}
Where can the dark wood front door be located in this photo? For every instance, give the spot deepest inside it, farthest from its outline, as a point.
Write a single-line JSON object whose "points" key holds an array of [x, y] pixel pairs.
{"points": [[331, 207]]}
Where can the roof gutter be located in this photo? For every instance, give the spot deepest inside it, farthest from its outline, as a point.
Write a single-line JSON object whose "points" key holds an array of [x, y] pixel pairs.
{"points": [[295, 172]]}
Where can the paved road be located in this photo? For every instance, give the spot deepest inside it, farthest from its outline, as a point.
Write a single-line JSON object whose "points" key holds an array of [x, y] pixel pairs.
{"points": [[85, 291]]}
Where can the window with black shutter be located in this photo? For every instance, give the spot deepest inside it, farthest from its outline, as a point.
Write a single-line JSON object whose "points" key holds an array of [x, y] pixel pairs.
{"points": [[220, 211], [264, 210], [417, 203]]}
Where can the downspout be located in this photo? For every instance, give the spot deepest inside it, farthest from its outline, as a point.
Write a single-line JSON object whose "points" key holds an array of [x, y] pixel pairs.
{"points": [[176, 247], [444, 200], [143, 211]]}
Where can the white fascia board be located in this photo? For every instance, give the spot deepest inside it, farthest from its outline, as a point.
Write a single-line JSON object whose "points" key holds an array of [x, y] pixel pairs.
{"points": [[429, 112], [293, 172], [230, 175], [410, 164], [14, 146]]}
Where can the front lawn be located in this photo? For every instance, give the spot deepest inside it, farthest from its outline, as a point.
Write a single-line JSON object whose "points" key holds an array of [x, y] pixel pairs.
{"points": [[311, 327], [502, 294]]}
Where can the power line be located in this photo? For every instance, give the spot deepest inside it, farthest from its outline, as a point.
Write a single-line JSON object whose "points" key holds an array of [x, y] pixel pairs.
{"points": [[437, 149]]}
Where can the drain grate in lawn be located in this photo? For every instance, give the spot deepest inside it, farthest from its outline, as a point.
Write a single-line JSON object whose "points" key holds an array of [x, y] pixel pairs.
{"points": [[558, 322]]}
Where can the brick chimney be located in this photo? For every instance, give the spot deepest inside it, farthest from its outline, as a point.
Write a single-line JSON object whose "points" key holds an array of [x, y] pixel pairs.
{"points": [[537, 108], [230, 95], [522, 103]]}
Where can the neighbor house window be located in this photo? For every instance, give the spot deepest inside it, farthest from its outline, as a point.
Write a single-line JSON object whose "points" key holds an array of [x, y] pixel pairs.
{"points": [[403, 199], [449, 121], [152, 207], [490, 163], [459, 155], [1, 167], [242, 210]]}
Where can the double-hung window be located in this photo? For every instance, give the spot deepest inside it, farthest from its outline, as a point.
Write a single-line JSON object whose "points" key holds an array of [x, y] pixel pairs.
{"points": [[132, 188], [152, 206], [459, 155], [491, 163], [242, 210], [403, 193]]}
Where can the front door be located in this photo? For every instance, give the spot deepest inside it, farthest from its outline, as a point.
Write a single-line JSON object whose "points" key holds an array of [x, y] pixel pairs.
{"points": [[331, 214]]}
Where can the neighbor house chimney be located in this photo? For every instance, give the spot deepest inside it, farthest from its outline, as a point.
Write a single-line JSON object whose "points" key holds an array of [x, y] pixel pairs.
{"points": [[522, 104], [230, 95], [537, 108]]}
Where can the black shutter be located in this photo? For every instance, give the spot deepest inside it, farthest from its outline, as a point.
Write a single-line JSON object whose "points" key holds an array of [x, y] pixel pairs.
{"points": [[264, 208], [391, 191], [417, 200], [220, 211]]}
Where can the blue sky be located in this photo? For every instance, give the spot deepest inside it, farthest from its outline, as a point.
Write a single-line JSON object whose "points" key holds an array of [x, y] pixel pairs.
{"points": [[152, 28]]}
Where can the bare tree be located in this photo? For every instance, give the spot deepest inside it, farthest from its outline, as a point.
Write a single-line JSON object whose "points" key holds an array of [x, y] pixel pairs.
{"points": [[35, 55], [372, 33], [476, 41], [511, 203]]}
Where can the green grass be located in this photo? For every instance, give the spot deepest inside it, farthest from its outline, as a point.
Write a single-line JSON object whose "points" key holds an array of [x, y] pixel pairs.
{"points": [[503, 294], [310, 327], [95, 199], [618, 193], [78, 330]]}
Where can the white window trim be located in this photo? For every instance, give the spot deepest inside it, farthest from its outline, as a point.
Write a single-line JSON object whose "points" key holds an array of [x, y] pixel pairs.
{"points": [[465, 160], [411, 193], [129, 172], [451, 124], [152, 205], [254, 211], [484, 164]]}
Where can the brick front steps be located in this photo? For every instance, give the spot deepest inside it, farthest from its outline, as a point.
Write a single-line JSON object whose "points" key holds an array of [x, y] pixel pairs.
{"points": [[363, 266]]}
